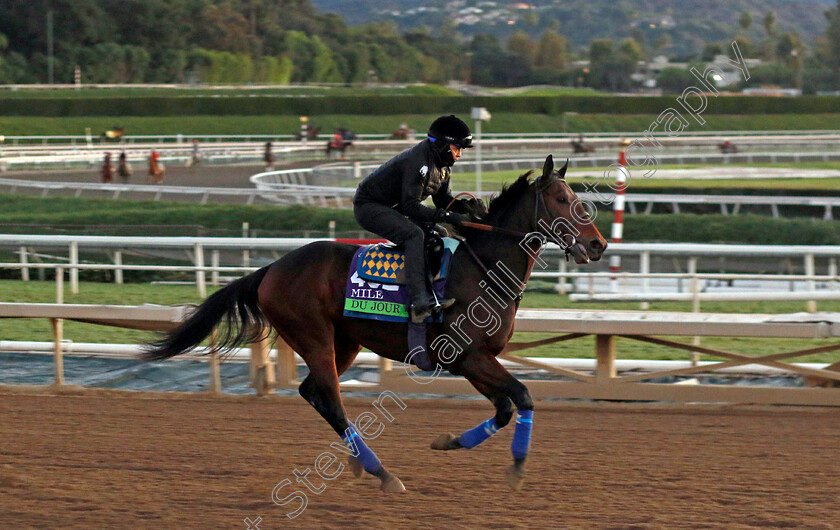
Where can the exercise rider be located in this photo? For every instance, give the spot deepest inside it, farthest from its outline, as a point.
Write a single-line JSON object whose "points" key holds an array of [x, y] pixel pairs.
{"points": [[388, 202]]}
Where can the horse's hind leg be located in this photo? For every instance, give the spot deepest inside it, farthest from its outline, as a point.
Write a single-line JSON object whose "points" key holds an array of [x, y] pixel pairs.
{"points": [[346, 351], [321, 390], [479, 434]]}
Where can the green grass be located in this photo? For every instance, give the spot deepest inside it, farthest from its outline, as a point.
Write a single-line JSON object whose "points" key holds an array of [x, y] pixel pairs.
{"points": [[630, 349], [90, 293], [61, 211], [135, 294], [495, 179], [242, 91], [126, 217], [546, 91], [502, 122]]}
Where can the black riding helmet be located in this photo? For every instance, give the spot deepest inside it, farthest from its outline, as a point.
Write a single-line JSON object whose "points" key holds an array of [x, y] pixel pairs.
{"points": [[448, 130]]}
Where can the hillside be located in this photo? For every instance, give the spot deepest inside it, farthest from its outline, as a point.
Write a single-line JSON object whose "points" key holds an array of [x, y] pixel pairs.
{"points": [[686, 25]]}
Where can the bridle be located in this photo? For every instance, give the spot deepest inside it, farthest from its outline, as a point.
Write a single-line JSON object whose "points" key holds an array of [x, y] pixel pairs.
{"points": [[539, 205]]}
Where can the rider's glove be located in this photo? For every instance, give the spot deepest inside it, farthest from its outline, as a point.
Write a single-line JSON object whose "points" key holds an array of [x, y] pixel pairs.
{"points": [[453, 218]]}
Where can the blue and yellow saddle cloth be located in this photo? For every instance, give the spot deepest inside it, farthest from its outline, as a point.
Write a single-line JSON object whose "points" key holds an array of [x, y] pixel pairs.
{"points": [[376, 284]]}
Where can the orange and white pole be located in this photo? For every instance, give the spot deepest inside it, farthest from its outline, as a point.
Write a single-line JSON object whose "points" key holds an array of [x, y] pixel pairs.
{"points": [[618, 216]]}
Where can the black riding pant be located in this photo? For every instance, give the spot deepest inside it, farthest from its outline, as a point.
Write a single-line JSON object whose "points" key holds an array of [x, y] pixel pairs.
{"points": [[392, 225]]}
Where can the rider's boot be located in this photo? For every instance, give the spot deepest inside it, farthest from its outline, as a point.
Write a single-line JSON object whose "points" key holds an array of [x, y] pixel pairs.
{"points": [[421, 307], [423, 304]]}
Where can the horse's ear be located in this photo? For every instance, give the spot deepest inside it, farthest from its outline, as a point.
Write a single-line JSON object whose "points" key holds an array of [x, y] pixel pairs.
{"points": [[562, 172], [548, 167]]}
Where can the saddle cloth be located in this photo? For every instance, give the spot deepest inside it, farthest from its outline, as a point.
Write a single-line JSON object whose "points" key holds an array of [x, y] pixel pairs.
{"points": [[376, 284]]}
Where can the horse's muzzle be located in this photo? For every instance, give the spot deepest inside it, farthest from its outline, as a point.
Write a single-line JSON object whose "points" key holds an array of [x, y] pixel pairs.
{"points": [[591, 251]]}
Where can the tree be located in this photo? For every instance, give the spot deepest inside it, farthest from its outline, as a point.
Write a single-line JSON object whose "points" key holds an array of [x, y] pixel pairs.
{"points": [[769, 23], [745, 45], [830, 52], [788, 48], [745, 20], [772, 74], [710, 50], [491, 66], [673, 80], [662, 42], [631, 51], [553, 51], [520, 45]]}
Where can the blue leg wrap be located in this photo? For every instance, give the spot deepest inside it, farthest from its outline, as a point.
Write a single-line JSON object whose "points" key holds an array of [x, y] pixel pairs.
{"points": [[478, 434], [522, 434], [360, 450]]}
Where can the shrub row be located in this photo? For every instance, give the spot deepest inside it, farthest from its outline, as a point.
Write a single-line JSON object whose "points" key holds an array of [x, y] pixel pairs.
{"points": [[22, 211], [746, 229], [381, 105]]}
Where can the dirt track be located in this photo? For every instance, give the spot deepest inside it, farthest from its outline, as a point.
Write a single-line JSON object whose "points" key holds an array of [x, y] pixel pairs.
{"points": [[102, 459]]}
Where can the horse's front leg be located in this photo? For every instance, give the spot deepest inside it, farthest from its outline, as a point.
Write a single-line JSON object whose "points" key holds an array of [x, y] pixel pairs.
{"points": [[483, 431], [487, 374]]}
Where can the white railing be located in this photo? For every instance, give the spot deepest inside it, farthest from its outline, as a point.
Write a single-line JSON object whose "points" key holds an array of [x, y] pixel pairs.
{"points": [[714, 136], [291, 187], [150, 191], [57, 157], [812, 286]]}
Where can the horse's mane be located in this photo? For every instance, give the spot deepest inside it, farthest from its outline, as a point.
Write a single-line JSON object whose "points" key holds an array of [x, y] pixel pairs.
{"points": [[509, 195]]}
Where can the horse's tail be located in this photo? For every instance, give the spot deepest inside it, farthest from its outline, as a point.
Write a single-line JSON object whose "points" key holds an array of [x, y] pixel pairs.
{"points": [[235, 304]]}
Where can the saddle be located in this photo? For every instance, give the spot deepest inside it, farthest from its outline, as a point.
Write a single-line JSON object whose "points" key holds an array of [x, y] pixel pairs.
{"points": [[385, 262], [376, 287]]}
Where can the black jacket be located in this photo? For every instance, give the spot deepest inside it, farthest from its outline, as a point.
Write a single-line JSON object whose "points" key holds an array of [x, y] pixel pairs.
{"points": [[408, 179]]}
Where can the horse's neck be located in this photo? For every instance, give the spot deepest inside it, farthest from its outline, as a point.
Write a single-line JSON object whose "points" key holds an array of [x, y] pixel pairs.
{"points": [[502, 254]]}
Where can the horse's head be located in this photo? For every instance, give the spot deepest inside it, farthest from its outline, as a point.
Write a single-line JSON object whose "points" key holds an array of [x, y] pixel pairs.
{"points": [[562, 217]]}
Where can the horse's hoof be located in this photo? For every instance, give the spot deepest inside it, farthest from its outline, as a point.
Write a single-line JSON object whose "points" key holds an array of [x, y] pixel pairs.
{"points": [[356, 466], [392, 485], [515, 478], [445, 442]]}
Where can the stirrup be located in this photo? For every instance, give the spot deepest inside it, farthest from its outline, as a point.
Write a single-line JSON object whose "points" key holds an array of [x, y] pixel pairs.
{"points": [[420, 314], [443, 303]]}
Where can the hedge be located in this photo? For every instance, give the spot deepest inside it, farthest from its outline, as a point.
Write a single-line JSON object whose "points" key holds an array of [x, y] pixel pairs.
{"points": [[72, 215], [382, 105]]}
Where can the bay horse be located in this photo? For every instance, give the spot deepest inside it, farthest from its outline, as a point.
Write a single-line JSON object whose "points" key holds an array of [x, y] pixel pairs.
{"points": [[301, 296]]}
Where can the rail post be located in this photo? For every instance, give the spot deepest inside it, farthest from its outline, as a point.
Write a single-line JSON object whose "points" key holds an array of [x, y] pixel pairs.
{"points": [[200, 278], [617, 231], [605, 358], [215, 373], [74, 272], [561, 278], [118, 272], [246, 254], [695, 304], [214, 264], [24, 260], [58, 329], [286, 366], [644, 268], [262, 370], [812, 286]]}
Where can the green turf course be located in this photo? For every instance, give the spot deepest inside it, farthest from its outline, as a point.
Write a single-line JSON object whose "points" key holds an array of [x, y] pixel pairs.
{"points": [[135, 294], [69, 215], [502, 122], [246, 91], [495, 179]]}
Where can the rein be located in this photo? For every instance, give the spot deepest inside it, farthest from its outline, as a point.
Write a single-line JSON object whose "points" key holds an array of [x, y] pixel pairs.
{"points": [[539, 204]]}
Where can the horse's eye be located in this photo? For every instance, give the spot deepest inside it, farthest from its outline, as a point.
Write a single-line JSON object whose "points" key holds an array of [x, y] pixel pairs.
{"points": [[562, 200]]}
